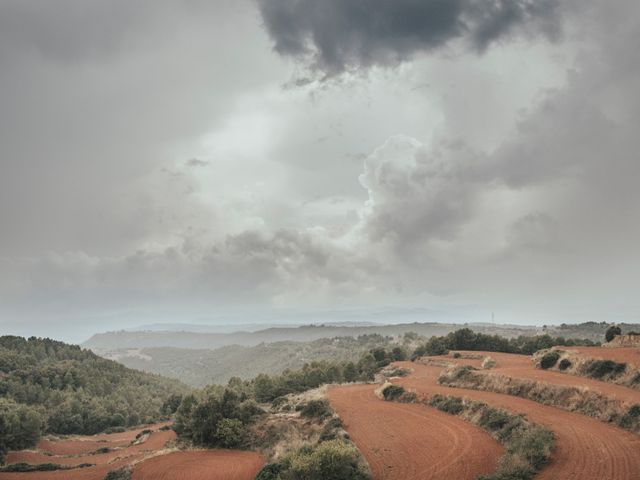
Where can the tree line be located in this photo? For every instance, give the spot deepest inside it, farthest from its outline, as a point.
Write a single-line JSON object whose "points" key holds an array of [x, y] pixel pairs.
{"points": [[218, 416], [467, 339]]}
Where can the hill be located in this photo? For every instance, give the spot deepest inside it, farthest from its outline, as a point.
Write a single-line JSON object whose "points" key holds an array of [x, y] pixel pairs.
{"points": [[200, 367], [185, 339], [50, 386]]}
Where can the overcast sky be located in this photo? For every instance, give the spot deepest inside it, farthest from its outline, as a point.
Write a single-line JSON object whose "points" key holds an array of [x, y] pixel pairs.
{"points": [[249, 160]]}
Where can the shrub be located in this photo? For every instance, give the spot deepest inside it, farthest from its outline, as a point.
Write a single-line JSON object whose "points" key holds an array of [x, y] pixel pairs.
{"points": [[493, 419], [230, 432], [330, 430], [330, 460], [488, 363], [457, 355], [271, 471], [534, 444], [549, 359], [396, 372], [393, 392], [120, 474], [315, 409], [612, 332], [564, 364], [601, 368], [452, 405]]}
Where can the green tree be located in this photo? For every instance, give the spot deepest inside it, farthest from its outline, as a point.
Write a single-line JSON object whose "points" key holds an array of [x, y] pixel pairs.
{"points": [[230, 433], [612, 332]]}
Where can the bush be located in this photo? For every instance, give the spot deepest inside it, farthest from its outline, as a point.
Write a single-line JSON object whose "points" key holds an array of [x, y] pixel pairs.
{"points": [[393, 392], [120, 474], [488, 363], [230, 433], [330, 460], [457, 355], [533, 444], [315, 409], [564, 364], [601, 368], [493, 419], [271, 471], [452, 405], [549, 360], [612, 332]]}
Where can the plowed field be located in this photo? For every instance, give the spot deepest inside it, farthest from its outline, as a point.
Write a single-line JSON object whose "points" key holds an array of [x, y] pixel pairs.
{"points": [[586, 449], [413, 442]]}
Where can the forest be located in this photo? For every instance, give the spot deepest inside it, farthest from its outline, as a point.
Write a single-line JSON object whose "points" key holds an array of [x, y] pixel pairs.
{"points": [[48, 386]]}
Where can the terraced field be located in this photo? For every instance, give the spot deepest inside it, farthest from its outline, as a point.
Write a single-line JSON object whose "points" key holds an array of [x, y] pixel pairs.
{"points": [[146, 452], [413, 442], [401, 441]]}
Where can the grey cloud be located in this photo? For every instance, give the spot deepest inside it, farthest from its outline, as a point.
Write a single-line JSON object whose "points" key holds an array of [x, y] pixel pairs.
{"points": [[418, 195], [194, 162], [335, 36]]}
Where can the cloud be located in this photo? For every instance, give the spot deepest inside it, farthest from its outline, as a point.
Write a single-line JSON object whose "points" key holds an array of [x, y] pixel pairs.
{"points": [[335, 36]]}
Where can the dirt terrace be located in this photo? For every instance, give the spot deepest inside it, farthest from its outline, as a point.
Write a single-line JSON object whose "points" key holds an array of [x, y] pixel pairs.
{"points": [[413, 442], [586, 449], [521, 366], [201, 465], [148, 455]]}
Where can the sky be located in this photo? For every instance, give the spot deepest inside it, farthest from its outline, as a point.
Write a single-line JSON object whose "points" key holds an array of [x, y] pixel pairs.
{"points": [[252, 161]]}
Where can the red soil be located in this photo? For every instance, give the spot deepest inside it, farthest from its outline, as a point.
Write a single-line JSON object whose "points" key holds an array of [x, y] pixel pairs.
{"points": [[103, 462], [586, 449], [206, 465], [155, 441], [623, 355], [407, 442], [521, 366], [77, 445]]}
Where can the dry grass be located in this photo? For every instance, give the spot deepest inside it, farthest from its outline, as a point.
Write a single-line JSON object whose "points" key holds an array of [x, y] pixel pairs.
{"points": [[284, 431]]}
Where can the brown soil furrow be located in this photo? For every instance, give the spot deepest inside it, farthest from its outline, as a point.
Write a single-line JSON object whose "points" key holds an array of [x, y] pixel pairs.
{"points": [[205, 465], [404, 441], [586, 449]]}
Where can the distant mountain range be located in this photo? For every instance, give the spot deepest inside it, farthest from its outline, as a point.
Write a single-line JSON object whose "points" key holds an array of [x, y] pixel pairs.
{"points": [[176, 335]]}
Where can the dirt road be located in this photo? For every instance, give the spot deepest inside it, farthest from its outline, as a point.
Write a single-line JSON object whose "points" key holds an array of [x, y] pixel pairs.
{"points": [[413, 442]]}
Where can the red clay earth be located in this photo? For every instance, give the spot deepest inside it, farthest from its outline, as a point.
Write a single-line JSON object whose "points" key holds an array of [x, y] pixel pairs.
{"points": [[103, 462], [413, 442], [201, 465], [521, 366], [156, 441], [76, 445], [210, 464], [623, 355], [586, 449]]}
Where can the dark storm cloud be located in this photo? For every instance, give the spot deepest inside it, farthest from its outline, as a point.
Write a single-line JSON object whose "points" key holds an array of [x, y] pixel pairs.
{"points": [[335, 36]]}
